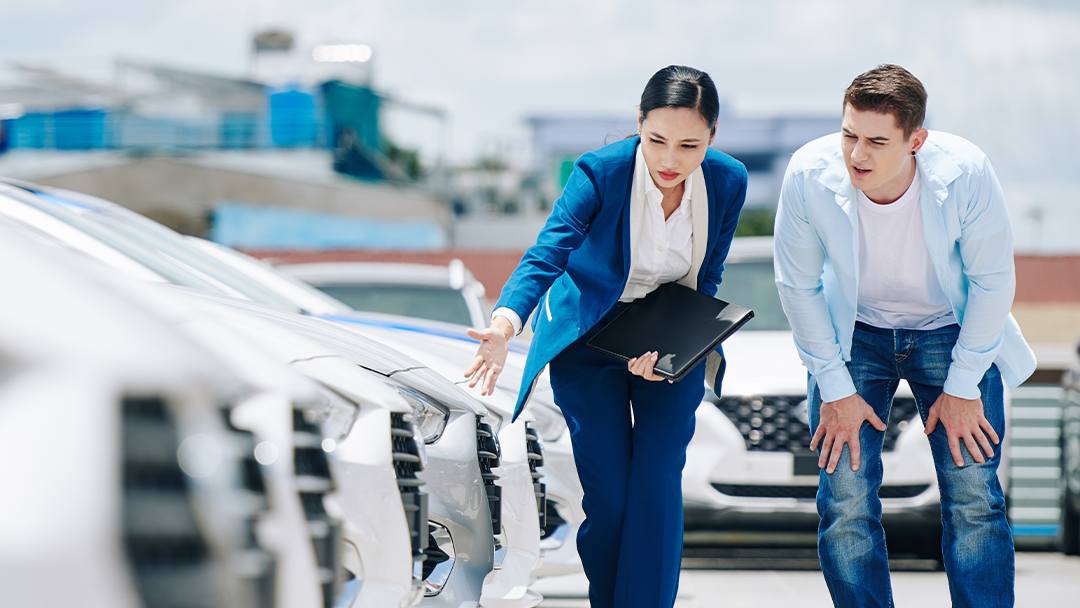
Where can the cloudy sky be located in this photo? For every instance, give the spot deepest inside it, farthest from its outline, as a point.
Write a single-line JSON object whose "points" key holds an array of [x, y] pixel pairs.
{"points": [[1005, 74]]}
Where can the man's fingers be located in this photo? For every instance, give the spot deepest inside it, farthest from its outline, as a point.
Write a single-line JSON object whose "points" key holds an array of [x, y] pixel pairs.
{"points": [[826, 451], [817, 437], [988, 428], [931, 421], [973, 449], [954, 447], [875, 421], [834, 456], [854, 447], [984, 443]]}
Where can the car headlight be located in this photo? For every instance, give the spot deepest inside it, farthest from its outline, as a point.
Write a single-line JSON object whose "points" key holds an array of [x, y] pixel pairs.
{"points": [[334, 413], [549, 421], [428, 417]]}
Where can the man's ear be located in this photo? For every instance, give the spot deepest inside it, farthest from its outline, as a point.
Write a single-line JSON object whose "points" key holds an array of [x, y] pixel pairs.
{"points": [[918, 138]]}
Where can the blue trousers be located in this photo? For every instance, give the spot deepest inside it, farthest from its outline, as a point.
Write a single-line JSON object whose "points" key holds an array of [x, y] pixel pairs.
{"points": [[629, 437], [977, 541]]}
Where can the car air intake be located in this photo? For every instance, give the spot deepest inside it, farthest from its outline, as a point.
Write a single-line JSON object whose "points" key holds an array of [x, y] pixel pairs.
{"points": [[536, 460], [808, 492], [171, 557], [313, 480], [778, 423], [407, 464], [488, 454]]}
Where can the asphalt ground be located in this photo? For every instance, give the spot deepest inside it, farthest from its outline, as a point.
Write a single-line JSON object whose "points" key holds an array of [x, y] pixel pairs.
{"points": [[767, 578]]}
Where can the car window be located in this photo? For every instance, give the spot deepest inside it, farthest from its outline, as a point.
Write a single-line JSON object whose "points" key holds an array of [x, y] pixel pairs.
{"points": [[751, 284], [435, 303]]}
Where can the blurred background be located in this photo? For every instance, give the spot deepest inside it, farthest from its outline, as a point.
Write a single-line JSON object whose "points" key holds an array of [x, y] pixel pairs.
{"points": [[426, 131]]}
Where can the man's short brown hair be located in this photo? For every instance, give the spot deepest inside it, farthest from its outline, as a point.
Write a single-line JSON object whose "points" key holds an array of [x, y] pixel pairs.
{"points": [[889, 89]]}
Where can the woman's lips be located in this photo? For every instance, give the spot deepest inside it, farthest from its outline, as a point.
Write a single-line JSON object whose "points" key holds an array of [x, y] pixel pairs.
{"points": [[668, 175]]}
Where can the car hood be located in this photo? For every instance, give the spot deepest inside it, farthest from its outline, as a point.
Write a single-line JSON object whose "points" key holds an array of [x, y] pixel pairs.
{"points": [[763, 363]]}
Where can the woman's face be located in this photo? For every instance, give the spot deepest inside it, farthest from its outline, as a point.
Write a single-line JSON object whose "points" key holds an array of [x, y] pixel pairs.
{"points": [[673, 142]]}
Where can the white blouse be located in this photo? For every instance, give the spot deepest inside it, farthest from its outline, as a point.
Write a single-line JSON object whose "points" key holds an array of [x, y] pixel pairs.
{"points": [[661, 251]]}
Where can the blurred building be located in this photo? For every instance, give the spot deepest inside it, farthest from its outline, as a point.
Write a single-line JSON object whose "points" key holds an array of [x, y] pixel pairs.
{"points": [[185, 147], [762, 144]]}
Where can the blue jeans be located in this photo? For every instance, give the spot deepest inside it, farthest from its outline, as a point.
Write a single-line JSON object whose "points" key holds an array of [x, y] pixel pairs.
{"points": [[977, 542]]}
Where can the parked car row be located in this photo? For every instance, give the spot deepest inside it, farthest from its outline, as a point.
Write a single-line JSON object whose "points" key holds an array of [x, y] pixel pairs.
{"points": [[222, 445]]}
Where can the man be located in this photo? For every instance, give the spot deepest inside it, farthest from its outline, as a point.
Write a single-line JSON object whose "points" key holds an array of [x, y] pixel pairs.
{"points": [[894, 260]]}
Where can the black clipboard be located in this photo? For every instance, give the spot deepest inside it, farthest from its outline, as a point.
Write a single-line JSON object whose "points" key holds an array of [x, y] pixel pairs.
{"points": [[681, 324]]}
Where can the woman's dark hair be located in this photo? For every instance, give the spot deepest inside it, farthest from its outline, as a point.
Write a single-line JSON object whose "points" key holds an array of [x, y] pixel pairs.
{"points": [[678, 86]]}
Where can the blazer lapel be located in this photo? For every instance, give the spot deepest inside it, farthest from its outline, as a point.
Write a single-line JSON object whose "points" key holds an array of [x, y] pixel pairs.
{"points": [[632, 225], [699, 211]]}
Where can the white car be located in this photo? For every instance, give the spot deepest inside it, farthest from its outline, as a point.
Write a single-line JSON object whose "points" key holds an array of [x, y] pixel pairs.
{"points": [[148, 251], [749, 467], [441, 293], [125, 485], [436, 341]]}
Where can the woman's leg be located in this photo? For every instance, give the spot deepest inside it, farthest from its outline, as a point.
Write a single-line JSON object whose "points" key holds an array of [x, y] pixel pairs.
{"points": [[650, 554], [593, 392]]}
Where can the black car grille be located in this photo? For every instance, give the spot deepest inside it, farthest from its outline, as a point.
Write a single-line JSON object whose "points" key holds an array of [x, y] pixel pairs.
{"points": [[171, 560], [407, 464], [488, 454], [536, 460], [771, 423], [314, 481], [808, 492]]}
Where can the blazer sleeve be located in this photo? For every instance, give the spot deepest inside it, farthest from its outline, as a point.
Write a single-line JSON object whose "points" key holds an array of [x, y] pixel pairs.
{"points": [[729, 189], [563, 232]]}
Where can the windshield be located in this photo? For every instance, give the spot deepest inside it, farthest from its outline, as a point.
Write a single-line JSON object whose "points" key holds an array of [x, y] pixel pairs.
{"points": [[435, 303], [751, 284]]}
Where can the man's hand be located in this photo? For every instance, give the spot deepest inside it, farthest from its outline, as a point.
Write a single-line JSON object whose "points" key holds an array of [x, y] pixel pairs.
{"points": [[490, 356], [840, 423], [963, 420]]}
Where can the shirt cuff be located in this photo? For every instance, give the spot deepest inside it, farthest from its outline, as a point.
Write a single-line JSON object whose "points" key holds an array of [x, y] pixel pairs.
{"points": [[963, 383], [835, 385], [509, 315]]}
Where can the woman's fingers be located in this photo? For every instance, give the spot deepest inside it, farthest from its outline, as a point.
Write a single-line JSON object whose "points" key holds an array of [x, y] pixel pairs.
{"points": [[643, 366]]}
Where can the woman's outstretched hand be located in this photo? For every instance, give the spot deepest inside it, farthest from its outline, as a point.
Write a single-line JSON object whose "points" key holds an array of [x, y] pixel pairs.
{"points": [[490, 356], [643, 366]]}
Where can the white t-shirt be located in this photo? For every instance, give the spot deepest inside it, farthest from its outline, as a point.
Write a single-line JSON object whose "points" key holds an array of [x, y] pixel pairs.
{"points": [[898, 287]]}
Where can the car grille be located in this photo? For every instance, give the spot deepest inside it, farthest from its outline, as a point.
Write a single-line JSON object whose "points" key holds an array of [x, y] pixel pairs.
{"points": [[407, 463], [171, 560], [808, 492], [536, 460], [773, 424], [488, 454], [314, 480]]}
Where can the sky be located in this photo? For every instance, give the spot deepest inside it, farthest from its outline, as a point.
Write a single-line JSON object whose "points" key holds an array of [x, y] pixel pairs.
{"points": [[1004, 74]]}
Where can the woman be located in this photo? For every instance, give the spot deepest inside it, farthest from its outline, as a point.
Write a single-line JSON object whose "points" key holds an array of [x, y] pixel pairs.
{"points": [[651, 209]]}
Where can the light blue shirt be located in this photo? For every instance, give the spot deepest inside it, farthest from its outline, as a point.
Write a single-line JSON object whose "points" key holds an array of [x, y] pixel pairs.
{"points": [[966, 226]]}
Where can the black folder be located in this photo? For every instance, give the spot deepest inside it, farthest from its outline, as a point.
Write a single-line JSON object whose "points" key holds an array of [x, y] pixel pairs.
{"points": [[681, 324]]}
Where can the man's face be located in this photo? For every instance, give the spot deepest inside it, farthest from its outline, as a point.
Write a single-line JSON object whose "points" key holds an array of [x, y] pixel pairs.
{"points": [[878, 157], [673, 142]]}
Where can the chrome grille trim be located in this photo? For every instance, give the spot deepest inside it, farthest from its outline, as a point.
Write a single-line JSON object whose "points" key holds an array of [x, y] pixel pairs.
{"points": [[313, 481], [407, 463], [774, 423], [488, 455], [535, 453]]}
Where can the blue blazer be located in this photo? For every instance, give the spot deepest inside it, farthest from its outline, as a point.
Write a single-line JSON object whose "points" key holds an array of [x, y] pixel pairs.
{"points": [[581, 260]]}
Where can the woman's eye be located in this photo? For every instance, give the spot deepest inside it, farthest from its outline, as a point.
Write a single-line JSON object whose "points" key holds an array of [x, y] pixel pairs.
{"points": [[690, 146], [656, 141]]}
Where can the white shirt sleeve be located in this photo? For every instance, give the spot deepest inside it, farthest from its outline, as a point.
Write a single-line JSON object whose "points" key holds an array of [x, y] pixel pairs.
{"points": [[509, 315]]}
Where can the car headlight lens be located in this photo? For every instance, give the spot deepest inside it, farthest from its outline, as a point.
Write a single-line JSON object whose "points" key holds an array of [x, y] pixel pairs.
{"points": [[428, 418], [334, 413], [549, 421]]}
